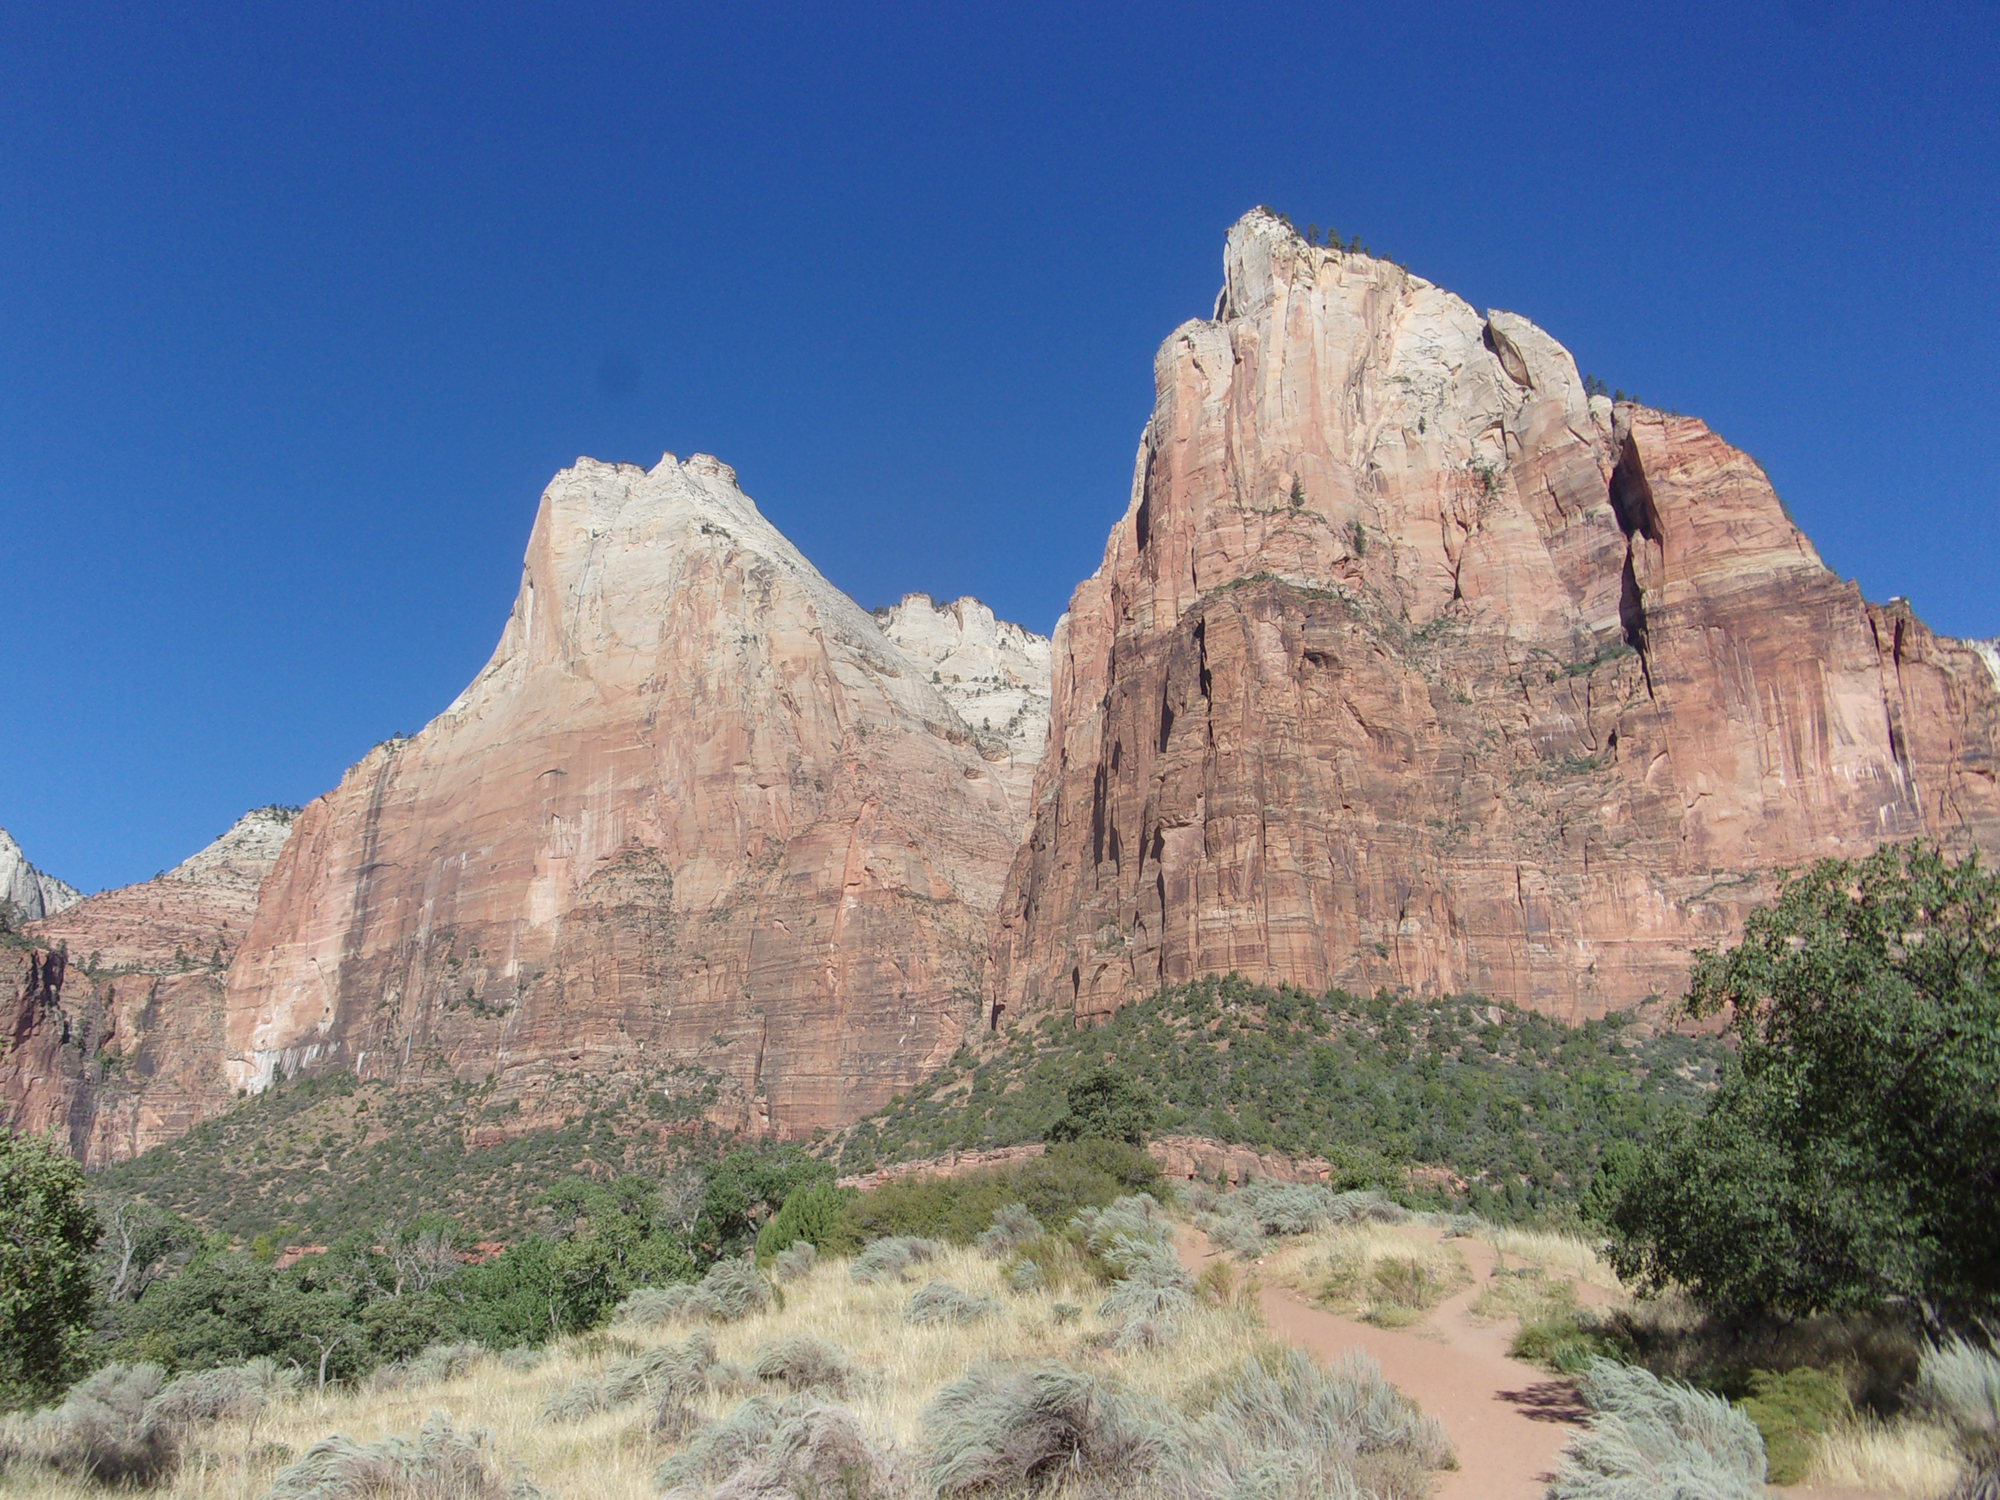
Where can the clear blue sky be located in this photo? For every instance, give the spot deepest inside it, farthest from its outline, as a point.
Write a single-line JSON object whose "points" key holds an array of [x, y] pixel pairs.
{"points": [[301, 306]]}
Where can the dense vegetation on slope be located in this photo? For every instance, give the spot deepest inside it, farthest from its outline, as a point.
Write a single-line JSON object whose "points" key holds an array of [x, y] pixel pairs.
{"points": [[1519, 1107], [314, 1157]]}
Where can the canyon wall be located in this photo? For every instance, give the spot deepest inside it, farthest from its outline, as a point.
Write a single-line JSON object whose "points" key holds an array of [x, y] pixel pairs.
{"points": [[115, 1030], [1410, 663], [698, 818]]}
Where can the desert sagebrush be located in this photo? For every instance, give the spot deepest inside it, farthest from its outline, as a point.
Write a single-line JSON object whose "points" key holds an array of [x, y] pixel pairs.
{"points": [[1650, 1437]]}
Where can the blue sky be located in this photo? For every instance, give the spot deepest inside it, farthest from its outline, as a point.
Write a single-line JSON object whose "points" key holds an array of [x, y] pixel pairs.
{"points": [[300, 307]]}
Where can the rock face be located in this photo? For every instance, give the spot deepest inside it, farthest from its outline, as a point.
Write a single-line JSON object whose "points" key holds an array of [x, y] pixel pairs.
{"points": [[117, 1032], [698, 815], [33, 895], [995, 674], [1412, 664]]}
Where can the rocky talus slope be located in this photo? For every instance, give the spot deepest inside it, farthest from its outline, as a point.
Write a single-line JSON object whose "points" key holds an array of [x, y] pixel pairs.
{"points": [[1412, 664], [115, 1032], [25, 892], [698, 817]]}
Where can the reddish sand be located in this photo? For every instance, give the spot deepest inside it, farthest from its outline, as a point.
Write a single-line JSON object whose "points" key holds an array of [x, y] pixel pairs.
{"points": [[1508, 1420]]}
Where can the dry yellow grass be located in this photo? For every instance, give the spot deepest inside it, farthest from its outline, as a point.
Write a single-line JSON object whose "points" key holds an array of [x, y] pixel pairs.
{"points": [[1906, 1460], [613, 1455], [1369, 1271], [1560, 1257]]}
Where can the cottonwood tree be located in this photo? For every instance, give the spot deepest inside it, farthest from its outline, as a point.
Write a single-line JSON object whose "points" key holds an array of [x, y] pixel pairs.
{"points": [[47, 1233], [1851, 1156]]}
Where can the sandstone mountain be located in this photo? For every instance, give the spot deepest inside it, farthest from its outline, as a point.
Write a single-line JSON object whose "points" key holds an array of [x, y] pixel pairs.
{"points": [[995, 674], [699, 822], [1410, 663], [27, 891], [115, 1035]]}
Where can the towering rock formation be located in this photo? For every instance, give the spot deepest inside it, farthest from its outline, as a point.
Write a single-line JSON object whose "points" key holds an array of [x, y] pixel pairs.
{"points": [[697, 813], [1412, 664], [995, 674], [115, 1033], [25, 891]]}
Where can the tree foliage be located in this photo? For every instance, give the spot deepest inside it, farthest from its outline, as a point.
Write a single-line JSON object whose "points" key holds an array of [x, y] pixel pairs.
{"points": [[1106, 1105], [47, 1233], [1852, 1155]]}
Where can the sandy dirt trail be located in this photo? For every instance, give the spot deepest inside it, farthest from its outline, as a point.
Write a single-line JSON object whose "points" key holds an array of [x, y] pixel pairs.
{"points": [[1508, 1420]]}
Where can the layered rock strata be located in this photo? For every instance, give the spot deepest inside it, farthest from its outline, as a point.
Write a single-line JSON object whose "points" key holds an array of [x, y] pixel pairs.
{"points": [[1410, 663], [115, 1032], [698, 811]]}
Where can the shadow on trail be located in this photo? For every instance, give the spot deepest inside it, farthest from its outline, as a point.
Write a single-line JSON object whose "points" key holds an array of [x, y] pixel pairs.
{"points": [[1549, 1401]]}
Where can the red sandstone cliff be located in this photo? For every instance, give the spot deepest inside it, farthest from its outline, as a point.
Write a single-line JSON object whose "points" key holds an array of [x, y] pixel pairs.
{"points": [[1409, 664], [115, 1035], [697, 813]]}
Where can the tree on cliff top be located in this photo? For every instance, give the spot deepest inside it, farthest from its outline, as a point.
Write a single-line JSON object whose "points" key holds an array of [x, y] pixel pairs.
{"points": [[47, 1232], [1851, 1157]]}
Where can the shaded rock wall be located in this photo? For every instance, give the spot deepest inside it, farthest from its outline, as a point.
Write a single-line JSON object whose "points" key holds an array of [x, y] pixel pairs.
{"points": [[119, 1046]]}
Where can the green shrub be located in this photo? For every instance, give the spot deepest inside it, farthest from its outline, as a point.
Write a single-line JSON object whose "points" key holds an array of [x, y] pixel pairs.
{"points": [[1566, 1342], [817, 1213], [1106, 1104], [1791, 1410]]}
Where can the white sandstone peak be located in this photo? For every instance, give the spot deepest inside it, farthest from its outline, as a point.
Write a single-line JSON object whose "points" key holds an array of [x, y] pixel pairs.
{"points": [[996, 674], [240, 857], [31, 893]]}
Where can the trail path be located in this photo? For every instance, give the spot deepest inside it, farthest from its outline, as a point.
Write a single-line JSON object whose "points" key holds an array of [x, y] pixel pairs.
{"points": [[1508, 1420]]}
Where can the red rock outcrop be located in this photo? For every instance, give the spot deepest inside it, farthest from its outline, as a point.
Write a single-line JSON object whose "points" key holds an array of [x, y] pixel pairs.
{"points": [[1412, 664], [116, 1033], [696, 816]]}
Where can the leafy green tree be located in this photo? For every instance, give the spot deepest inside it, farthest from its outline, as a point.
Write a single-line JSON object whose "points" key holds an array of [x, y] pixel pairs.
{"points": [[1105, 1104], [745, 1188], [226, 1307], [1851, 1157], [47, 1234]]}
